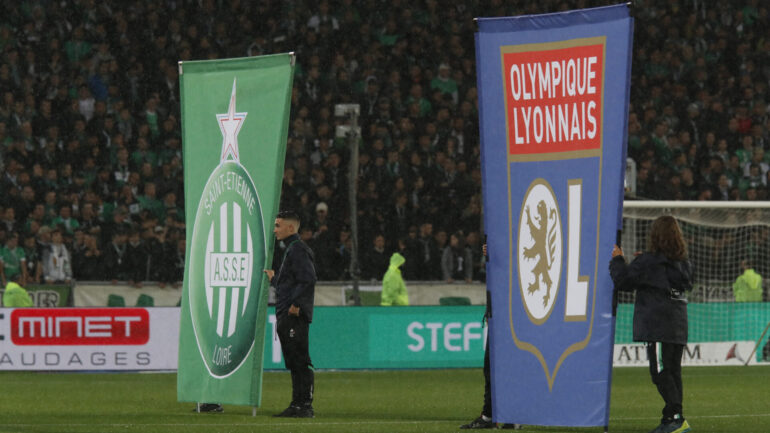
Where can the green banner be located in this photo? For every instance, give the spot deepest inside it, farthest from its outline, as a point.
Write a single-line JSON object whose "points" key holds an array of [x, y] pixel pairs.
{"points": [[453, 337], [390, 337], [47, 295], [235, 116], [50, 295], [708, 322]]}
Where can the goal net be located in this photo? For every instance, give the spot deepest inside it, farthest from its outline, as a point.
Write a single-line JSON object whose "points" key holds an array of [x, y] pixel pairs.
{"points": [[722, 239]]}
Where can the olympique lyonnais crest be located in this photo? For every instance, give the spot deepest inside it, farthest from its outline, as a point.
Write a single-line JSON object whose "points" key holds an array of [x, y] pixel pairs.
{"points": [[227, 256], [553, 101]]}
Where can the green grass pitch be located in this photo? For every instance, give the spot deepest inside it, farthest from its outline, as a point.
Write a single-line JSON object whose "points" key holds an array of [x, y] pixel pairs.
{"points": [[717, 399]]}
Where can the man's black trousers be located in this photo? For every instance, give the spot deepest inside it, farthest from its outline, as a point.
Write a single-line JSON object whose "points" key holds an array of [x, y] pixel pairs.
{"points": [[666, 372], [487, 410], [293, 332]]}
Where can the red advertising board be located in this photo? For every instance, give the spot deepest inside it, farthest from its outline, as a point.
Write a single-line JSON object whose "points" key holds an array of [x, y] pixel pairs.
{"points": [[80, 326], [89, 338]]}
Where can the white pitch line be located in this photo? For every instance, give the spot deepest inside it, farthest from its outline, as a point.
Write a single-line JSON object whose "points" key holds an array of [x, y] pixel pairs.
{"points": [[690, 416], [277, 424], [313, 423]]}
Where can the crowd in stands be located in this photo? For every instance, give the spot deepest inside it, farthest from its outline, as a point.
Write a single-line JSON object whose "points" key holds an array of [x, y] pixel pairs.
{"points": [[90, 124]]}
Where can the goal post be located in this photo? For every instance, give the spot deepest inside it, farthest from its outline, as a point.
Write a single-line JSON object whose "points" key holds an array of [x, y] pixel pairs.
{"points": [[723, 239]]}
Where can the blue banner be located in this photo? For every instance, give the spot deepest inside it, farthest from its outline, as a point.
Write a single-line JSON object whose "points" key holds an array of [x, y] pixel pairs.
{"points": [[553, 92]]}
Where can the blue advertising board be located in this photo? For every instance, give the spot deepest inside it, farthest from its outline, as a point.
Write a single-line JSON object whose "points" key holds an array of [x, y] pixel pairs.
{"points": [[553, 93]]}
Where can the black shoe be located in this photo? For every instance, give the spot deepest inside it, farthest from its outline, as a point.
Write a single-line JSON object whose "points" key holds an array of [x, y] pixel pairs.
{"points": [[210, 408], [676, 426], [305, 412], [507, 426], [289, 412], [671, 425], [479, 423]]}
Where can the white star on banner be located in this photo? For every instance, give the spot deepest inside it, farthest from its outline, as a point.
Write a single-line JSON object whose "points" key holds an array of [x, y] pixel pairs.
{"points": [[230, 123]]}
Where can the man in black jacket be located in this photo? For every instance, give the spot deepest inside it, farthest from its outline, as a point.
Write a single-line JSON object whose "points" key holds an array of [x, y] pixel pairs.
{"points": [[295, 290]]}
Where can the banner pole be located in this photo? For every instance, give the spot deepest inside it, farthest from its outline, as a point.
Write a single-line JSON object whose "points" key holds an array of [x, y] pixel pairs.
{"points": [[352, 194], [618, 241]]}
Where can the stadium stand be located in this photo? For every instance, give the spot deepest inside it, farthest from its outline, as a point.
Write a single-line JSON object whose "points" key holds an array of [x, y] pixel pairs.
{"points": [[90, 123]]}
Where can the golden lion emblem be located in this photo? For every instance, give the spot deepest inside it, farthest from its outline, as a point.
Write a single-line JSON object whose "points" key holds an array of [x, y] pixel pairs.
{"points": [[543, 249]]}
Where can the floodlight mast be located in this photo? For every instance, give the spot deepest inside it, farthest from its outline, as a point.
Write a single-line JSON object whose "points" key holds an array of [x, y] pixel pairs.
{"points": [[351, 112]]}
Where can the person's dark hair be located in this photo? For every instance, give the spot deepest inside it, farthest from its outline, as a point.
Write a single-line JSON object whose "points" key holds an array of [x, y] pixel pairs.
{"points": [[460, 237], [666, 238], [290, 216]]}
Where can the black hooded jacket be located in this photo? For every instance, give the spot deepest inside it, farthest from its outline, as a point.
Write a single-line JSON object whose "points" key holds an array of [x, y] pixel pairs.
{"points": [[660, 311], [295, 280]]}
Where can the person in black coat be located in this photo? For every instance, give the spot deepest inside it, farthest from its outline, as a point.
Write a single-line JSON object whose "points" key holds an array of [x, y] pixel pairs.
{"points": [[88, 263], [162, 254], [484, 421], [136, 259], [375, 260], [660, 278], [294, 284], [115, 259]]}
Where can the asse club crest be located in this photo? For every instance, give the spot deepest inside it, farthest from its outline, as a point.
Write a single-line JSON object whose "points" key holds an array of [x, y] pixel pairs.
{"points": [[227, 256]]}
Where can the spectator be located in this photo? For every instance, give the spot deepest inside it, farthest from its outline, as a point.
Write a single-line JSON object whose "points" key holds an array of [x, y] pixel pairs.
{"points": [[9, 219], [322, 17], [429, 254], [409, 247], [441, 239], [115, 260], [14, 262], [172, 213], [57, 264], [149, 201], [76, 245], [444, 82], [375, 259], [115, 221], [457, 260], [33, 260], [65, 220], [87, 262], [400, 216], [748, 286], [340, 266], [136, 258], [161, 255], [88, 221]]}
